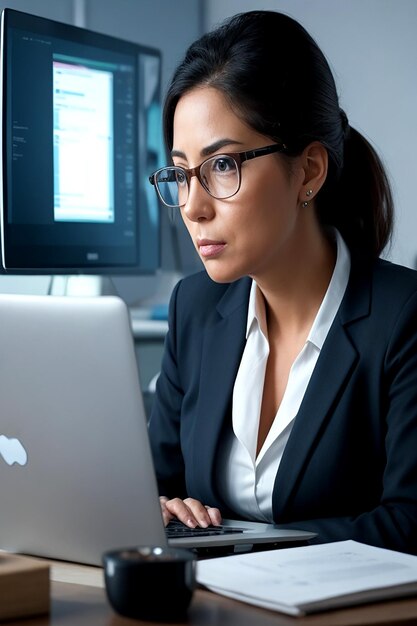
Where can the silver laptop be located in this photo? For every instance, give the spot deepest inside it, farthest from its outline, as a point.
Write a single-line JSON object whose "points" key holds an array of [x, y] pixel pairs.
{"points": [[76, 471]]}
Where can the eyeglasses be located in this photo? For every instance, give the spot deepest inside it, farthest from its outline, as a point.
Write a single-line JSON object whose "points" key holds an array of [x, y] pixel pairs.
{"points": [[220, 175]]}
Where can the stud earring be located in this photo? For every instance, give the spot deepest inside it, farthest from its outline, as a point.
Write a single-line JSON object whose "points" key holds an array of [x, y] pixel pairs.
{"points": [[308, 193]]}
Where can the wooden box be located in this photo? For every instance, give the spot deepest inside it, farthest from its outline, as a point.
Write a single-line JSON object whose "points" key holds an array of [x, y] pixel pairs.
{"points": [[24, 586]]}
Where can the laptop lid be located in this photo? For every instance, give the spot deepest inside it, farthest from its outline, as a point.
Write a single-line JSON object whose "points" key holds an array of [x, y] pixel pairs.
{"points": [[76, 470], [72, 428]]}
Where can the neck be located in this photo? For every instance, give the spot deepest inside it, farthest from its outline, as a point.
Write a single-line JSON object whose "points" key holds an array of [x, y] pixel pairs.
{"points": [[294, 288]]}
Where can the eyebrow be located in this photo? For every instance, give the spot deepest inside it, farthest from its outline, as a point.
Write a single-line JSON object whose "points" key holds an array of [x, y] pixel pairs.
{"points": [[208, 150]]}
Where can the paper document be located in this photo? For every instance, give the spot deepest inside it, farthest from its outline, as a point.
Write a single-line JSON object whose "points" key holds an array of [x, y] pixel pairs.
{"points": [[312, 578]]}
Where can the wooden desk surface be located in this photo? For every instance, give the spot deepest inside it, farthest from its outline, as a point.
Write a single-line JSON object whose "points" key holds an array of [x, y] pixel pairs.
{"points": [[79, 599]]}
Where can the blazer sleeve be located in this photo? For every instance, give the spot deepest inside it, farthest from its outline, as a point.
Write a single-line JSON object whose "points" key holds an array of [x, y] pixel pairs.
{"points": [[164, 424]]}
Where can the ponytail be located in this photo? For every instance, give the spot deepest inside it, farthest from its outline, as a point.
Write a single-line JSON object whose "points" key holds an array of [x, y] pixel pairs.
{"points": [[360, 202]]}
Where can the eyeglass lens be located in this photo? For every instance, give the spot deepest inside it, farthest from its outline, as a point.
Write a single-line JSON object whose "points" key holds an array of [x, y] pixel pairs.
{"points": [[219, 175]]}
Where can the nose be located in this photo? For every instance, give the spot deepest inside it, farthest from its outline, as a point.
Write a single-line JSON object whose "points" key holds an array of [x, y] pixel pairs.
{"points": [[199, 205]]}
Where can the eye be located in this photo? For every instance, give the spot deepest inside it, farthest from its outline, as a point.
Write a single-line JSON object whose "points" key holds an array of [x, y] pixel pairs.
{"points": [[180, 177], [223, 165]]}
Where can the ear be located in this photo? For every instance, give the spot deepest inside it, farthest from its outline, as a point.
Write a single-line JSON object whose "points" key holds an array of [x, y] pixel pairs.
{"points": [[314, 161]]}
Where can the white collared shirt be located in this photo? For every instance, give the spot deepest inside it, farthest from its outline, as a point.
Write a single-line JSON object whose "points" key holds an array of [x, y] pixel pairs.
{"points": [[245, 480]]}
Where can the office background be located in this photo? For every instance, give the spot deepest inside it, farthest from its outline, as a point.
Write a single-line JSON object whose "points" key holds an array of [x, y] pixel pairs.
{"points": [[372, 49]]}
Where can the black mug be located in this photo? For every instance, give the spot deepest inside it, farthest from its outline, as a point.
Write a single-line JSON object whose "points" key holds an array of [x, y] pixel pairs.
{"points": [[150, 582]]}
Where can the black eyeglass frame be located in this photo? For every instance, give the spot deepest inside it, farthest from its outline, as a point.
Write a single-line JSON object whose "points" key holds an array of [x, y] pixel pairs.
{"points": [[238, 157]]}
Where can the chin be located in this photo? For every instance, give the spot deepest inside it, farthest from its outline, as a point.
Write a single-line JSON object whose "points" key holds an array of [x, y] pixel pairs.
{"points": [[222, 276]]}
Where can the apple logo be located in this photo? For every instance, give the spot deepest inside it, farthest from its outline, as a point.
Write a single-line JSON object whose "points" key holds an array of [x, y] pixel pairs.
{"points": [[12, 451]]}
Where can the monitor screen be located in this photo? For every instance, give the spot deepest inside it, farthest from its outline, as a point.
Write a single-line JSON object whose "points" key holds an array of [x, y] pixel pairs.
{"points": [[81, 132]]}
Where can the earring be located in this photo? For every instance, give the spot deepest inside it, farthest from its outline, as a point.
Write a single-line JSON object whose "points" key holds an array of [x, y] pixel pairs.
{"points": [[308, 193]]}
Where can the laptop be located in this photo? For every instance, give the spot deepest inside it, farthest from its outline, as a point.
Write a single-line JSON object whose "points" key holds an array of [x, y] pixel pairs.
{"points": [[76, 471]]}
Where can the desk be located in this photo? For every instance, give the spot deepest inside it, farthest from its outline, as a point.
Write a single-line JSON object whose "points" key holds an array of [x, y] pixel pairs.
{"points": [[82, 602]]}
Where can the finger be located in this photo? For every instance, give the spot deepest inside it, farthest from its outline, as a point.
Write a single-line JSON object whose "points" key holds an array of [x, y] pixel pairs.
{"points": [[177, 508], [189, 511], [163, 500], [166, 515], [214, 515], [199, 512]]}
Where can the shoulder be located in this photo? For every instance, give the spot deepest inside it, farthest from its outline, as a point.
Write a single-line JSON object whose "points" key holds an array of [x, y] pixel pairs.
{"points": [[199, 298], [200, 306], [388, 268], [393, 280], [381, 276], [380, 291]]}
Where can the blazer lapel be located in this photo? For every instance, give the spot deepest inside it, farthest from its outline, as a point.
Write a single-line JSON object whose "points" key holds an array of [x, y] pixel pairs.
{"points": [[334, 366]]}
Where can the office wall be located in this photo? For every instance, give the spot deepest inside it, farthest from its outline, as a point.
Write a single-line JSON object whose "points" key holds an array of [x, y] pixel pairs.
{"points": [[372, 48]]}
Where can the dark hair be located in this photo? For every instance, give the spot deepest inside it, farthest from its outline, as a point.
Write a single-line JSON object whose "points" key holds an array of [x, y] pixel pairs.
{"points": [[280, 83]]}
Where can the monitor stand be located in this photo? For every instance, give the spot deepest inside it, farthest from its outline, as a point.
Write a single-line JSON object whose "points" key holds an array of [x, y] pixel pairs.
{"points": [[81, 285]]}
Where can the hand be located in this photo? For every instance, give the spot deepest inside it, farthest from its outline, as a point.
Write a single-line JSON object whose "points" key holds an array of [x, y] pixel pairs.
{"points": [[190, 512]]}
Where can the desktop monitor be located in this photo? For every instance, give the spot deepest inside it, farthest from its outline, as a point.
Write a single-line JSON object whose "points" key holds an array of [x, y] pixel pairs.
{"points": [[81, 132]]}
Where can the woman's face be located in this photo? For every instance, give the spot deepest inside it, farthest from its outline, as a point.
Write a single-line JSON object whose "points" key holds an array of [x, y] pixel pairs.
{"points": [[256, 231]]}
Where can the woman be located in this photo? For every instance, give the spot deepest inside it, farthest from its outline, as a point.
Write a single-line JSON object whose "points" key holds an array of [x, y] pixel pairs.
{"points": [[288, 389]]}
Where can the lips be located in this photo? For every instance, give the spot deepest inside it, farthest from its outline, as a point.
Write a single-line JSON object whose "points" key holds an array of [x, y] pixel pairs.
{"points": [[210, 248]]}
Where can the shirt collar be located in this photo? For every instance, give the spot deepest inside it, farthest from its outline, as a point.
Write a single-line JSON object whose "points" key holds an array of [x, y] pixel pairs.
{"points": [[328, 308], [333, 296], [256, 311]]}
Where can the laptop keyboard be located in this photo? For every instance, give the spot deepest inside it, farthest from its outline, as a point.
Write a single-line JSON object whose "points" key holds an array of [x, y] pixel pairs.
{"points": [[177, 529]]}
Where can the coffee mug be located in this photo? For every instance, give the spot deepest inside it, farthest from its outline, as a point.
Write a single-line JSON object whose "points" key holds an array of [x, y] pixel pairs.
{"points": [[150, 582]]}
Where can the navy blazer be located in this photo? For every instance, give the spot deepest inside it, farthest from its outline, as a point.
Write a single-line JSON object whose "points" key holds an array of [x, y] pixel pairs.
{"points": [[349, 469]]}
